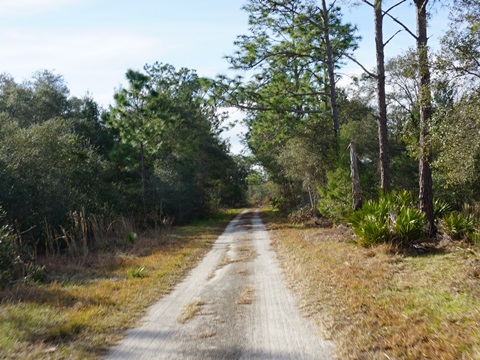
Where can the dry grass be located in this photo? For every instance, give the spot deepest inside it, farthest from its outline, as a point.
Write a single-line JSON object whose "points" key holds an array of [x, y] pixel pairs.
{"points": [[207, 334], [224, 261], [243, 272], [191, 310], [379, 303], [88, 304], [246, 253], [247, 296]]}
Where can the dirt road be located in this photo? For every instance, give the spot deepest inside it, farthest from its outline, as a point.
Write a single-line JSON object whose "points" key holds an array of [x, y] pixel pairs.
{"points": [[234, 305]]}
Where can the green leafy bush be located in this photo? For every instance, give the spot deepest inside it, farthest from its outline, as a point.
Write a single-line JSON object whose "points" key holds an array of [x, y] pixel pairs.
{"points": [[34, 274], [335, 199], [458, 225], [372, 230], [441, 208], [370, 223], [280, 202], [475, 237]]}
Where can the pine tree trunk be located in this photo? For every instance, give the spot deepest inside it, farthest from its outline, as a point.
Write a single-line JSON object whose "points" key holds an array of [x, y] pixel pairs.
{"points": [[425, 155], [330, 69], [381, 100]]}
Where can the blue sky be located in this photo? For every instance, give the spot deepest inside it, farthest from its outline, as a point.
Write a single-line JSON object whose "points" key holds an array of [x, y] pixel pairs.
{"points": [[93, 42]]}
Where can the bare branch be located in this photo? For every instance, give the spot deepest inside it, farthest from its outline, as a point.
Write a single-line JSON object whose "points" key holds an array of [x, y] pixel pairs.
{"points": [[319, 78], [310, 94], [392, 17], [394, 6], [332, 5], [466, 71], [385, 44], [369, 73], [401, 24], [368, 3]]}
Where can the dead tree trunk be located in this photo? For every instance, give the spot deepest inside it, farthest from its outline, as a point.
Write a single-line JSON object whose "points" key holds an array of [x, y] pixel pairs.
{"points": [[143, 175], [356, 195]]}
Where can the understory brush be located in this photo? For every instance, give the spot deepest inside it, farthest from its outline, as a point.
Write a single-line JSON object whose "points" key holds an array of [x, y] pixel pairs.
{"points": [[7, 257], [301, 216]]}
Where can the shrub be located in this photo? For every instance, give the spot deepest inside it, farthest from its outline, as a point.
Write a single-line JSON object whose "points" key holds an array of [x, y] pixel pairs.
{"points": [[409, 225], [372, 230], [34, 274], [441, 208], [370, 223], [280, 203], [475, 237], [391, 218], [335, 200], [458, 225]]}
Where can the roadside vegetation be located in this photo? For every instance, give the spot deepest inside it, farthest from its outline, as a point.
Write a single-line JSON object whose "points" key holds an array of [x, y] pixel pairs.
{"points": [[385, 171], [82, 306], [383, 302]]}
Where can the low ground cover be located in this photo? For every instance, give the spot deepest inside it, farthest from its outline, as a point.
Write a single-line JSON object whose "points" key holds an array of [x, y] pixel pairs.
{"points": [[86, 305], [380, 302]]}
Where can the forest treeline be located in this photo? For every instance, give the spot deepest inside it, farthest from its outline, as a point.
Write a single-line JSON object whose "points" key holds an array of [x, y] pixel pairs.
{"points": [[154, 157], [392, 153]]}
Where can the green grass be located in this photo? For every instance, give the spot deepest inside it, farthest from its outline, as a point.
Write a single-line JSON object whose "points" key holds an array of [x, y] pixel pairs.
{"points": [[87, 306]]}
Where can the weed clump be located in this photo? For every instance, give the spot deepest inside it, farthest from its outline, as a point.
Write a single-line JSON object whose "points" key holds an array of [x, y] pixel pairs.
{"points": [[14, 265], [136, 272]]}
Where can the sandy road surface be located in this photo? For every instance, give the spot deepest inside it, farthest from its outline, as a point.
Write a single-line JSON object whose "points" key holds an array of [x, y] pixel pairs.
{"points": [[234, 305]]}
